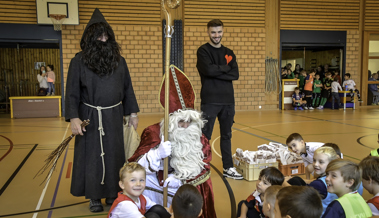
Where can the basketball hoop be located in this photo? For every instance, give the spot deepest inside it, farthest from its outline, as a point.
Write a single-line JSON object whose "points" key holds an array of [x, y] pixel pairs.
{"points": [[57, 20]]}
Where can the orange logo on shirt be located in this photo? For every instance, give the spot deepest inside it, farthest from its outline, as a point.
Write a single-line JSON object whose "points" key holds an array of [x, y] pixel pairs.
{"points": [[228, 59]]}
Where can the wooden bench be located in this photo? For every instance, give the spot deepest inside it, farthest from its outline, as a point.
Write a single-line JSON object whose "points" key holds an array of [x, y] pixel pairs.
{"points": [[35, 106]]}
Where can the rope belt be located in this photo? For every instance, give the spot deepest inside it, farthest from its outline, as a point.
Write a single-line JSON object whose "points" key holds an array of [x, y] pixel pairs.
{"points": [[101, 131]]}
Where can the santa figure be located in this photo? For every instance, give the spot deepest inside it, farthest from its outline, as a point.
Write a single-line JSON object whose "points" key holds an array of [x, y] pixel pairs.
{"points": [[188, 149]]}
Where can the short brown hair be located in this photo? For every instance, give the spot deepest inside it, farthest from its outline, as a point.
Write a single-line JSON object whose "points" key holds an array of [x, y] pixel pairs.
{"points": [[215, 23], [293, 199], [297, 88], [335, 147], [328, 74], [294, 136], [130, 168], [348, 169], [187, 202], [271, 192], [370, 168], [272, 175]]}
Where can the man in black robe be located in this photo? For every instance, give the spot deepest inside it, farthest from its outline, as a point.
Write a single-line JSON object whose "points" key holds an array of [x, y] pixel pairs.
{"points": [[99, 88]]}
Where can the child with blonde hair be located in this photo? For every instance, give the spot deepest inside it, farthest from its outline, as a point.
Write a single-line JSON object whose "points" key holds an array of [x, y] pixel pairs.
{"points": [[322, 157], [269, 200], [131, 203], [343, 178], [370, 180]]}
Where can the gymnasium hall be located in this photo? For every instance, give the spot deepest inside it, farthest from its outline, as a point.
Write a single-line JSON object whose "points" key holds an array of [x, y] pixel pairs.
{"points": [[265, 35]]}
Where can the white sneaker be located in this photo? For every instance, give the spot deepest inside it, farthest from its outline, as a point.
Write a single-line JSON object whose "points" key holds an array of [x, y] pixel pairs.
{"points": [[320, 107], [310, 108], [305, 108], [232, 173]]}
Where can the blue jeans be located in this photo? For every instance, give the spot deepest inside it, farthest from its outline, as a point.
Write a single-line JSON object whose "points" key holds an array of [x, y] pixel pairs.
{"points": [[51, 87]]}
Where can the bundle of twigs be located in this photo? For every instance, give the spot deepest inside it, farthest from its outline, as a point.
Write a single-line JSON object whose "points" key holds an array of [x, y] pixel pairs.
{"points": [[53, 157]]}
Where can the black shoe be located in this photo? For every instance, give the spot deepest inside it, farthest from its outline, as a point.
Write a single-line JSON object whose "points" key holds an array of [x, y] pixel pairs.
{"points": [[109, 201], [95, 205]]}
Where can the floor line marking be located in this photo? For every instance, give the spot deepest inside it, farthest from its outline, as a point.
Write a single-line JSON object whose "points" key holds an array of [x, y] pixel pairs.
{"points": [[57, 185], [10, 147], [17, 170], [47, 183]]}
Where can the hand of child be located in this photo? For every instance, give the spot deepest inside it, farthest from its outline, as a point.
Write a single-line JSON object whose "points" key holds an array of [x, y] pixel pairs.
{"points": [[164, 149], [76, 129], [172, 182]]}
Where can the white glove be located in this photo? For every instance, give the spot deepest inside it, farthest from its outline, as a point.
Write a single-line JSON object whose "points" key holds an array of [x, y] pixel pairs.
{"points": [[164, 149], [172, 182]]}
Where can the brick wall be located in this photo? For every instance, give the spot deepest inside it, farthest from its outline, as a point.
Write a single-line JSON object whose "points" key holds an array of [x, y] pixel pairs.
{"points": [[142, 49], [352, 54]]}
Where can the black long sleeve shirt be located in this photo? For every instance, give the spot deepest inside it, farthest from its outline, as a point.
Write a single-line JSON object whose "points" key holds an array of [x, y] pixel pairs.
{"points": [[217, 68]]}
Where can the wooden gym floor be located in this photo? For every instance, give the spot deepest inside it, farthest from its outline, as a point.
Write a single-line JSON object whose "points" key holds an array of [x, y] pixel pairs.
{"points": [[25, 143]]}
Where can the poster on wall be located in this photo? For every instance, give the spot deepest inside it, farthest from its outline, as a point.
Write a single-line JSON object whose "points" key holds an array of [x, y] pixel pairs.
{"points": [[37, 65]]}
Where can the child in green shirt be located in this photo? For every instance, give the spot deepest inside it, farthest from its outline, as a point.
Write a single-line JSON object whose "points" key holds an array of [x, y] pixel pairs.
{"points": [[302, 76], [317, 84]]}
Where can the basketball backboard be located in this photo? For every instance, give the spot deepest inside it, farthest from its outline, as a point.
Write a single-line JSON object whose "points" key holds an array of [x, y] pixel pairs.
{"points": [[65, 7]]}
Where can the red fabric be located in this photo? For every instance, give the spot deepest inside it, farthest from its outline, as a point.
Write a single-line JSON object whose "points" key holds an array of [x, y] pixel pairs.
{"points": [[121, 197], [374, 201], [228, 59], [186, 89], [250, 198], [150, 138]]}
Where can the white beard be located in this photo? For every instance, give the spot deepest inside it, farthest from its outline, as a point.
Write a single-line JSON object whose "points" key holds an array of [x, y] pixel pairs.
{"points": [[186, 154]]}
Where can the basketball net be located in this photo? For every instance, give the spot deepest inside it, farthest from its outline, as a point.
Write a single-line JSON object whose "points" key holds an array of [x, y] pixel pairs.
{"points": [[57, 20]]}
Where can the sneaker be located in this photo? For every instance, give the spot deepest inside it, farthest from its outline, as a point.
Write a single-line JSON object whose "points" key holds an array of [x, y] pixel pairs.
{"points": [[295, 108], [301, 108], [48, 94], [232, 173], [305, 108], [320, 107], [310, 108], [352, 101], [95, 205], [109, 201], [52, 94]]}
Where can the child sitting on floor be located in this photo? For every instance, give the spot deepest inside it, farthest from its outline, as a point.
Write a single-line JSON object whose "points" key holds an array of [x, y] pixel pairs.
{"points": [[296, 143], [351, 87], [131, 203], [343, 178], [269, 200], [187, 202], [297, 100], [340, 155], [370, 180], [298, 202], [252, 206], [322, 157]]}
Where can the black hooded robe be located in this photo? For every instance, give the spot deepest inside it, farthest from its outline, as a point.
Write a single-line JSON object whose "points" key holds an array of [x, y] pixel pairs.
{"points": [[84, 86]]}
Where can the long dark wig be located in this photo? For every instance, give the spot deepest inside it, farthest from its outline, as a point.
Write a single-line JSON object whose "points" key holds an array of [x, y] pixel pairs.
{"points": [[100, 57]]}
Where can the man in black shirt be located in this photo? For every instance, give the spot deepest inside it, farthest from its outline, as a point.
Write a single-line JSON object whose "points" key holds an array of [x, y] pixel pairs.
{"points": [[218, 68]]}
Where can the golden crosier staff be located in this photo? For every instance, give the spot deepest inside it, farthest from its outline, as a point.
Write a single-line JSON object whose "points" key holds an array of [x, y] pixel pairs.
{"points": [[169, 30]]}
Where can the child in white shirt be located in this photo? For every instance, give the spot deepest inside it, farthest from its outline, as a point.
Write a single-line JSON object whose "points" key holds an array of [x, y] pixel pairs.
{"points": [[306, 150], [335, 87], [131, 203], [351, 86]]}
